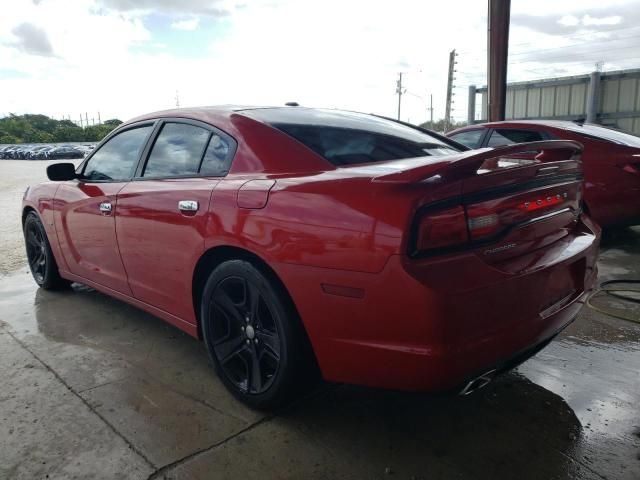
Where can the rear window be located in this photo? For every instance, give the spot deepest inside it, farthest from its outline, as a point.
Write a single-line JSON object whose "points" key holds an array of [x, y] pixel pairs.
{"points": [[347, 138]]}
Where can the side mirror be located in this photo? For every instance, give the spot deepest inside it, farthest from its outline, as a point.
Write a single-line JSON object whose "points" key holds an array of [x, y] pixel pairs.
{"points": [[61, 172]]}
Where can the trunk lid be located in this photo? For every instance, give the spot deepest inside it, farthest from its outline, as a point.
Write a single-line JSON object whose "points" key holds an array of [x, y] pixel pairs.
{"points": [[499, 202]]}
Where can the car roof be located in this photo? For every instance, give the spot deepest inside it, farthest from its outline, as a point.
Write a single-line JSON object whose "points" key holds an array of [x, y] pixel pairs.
{"points": [[266, 114], [198, 113], [593, 130]]}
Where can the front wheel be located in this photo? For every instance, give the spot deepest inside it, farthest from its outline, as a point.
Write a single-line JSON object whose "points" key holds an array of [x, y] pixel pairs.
{"points": [[252, 334], [41, 260]]}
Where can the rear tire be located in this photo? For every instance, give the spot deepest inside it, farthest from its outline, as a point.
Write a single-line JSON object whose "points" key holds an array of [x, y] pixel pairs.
{"points": [[252, 334], [42, 263]]}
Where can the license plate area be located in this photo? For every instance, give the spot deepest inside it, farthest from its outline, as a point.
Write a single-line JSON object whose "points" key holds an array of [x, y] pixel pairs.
{"points": [[564, 284]]}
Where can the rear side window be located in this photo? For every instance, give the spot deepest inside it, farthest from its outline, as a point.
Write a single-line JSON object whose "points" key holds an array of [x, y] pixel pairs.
{"points": [[504, 136], [118, 157], [346, 146], [217, 157], [470, 138], [177, 151]]}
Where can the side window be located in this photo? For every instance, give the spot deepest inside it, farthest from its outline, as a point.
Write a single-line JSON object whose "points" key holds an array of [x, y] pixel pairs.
{"points": [[216, 158], [469, 138], [117, 159], [503, 136], [177, 151]]}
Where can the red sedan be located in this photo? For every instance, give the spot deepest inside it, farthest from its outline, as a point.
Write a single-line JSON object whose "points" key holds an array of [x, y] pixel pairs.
{"points": [[289, 236], [611, 161]]}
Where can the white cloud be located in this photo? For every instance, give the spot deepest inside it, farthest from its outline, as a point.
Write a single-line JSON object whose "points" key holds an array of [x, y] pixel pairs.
{"points": [[332, 53], [190, 24], [569, 21], [610, 20]]}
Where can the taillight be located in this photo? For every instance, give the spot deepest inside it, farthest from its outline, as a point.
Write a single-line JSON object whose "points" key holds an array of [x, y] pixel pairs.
{"points": [[487, 220], [482, 222], [444, 228], [541, 203]]}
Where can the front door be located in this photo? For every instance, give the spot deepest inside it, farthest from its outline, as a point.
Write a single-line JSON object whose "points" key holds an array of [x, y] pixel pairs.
{"points": [[162, 214], [85, 210]]}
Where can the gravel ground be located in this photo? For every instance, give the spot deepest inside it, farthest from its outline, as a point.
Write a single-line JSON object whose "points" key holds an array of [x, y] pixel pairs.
{"points": [[15, 177]]}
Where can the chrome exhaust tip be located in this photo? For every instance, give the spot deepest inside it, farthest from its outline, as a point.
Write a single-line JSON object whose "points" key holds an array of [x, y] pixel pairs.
{"points": [[478, 382]]}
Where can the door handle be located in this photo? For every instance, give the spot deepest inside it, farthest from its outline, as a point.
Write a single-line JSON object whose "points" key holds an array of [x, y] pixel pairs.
{"points": [[188, 206], [105, 207]]}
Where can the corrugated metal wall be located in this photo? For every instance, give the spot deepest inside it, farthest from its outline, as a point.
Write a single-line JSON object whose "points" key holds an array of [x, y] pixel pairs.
{"points": [[566, 98]]}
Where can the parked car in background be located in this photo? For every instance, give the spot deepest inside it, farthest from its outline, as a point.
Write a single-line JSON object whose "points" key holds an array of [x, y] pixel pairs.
{"points": [[286, 236], [38, 152], [611, 161], [65, 151], [44, 152]]}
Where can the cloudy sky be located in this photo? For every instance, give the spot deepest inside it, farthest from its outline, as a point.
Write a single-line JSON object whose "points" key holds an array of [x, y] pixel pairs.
{"points": [[126, 57]]}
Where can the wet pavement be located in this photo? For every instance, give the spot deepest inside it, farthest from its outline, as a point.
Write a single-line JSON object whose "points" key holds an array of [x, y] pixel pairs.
{"points": [[94, 388]]}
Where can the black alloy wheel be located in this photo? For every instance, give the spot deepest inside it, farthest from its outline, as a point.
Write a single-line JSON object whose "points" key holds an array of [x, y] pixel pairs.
{"points": [[42, 263], [245, 335], [36, 251], [252, 334]]}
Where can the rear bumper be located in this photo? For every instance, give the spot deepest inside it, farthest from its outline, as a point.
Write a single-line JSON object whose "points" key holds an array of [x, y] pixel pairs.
{"points": [[432, 325]]}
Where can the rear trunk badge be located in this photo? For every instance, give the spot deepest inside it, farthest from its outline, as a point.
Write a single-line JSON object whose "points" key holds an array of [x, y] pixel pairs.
{"points": [[499, 249]]}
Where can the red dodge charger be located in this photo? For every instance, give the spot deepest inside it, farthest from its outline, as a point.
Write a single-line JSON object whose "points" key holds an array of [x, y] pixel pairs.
{"points": [[611, 160], [287, 237]]}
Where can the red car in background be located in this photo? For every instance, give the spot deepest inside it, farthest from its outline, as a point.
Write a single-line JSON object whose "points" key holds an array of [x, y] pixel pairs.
{"points": [[288, 236], [611, 161]]}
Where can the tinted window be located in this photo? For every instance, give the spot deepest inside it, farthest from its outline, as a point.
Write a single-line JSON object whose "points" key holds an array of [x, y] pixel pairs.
{"points": [[177, 151], [348, 138], [503, 136], [216, 158], [117, 159], [470, 138]]}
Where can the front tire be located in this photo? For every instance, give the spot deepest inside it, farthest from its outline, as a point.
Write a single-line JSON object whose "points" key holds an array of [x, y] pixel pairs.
{"points": [[252, 334], [42, 263]]}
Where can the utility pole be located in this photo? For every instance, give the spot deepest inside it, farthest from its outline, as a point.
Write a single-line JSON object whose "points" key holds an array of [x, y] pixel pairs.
{"points": [[431, 111], [81, 121], [471, 106], [450, 79], [399, 91], [177, 100], [497, 52], [86, 118], [99, 121]]}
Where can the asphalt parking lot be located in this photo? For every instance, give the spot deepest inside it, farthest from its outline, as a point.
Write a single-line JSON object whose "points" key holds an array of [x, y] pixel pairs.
{"points": [[94, 388]]}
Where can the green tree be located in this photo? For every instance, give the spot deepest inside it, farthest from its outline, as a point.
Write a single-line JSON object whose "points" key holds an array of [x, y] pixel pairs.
{"points": [[32, 128], [438, 125]]}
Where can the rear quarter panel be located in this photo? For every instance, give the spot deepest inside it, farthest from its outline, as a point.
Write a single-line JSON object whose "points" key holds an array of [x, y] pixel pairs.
{"points": [[325, 220]]}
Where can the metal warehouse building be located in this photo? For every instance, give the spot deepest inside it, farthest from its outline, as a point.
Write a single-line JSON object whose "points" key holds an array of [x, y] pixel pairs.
{"points": [[609, 98]]}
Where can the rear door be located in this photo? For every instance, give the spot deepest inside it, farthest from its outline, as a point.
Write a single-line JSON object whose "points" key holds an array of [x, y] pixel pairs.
{"points": [[161, 219], [85, 208]]}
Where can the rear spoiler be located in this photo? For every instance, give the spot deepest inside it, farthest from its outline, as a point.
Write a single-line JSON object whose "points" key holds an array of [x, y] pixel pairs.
{"points": [[468, 163]]}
